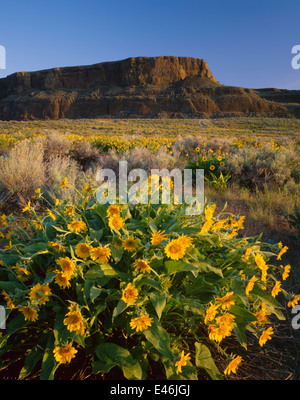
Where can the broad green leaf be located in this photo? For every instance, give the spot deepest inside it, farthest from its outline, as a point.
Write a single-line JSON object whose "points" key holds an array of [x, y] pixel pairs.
{"points": [[179, 266], [242, 315], [100, 271], [145, 280], [100, 210], [111, 355], [49, 365], [205, 267], [121, 306], [240, 333], [12, 326], [10, 286], [117, 254], [94, 293], [33, 357], [203, 359], [49, 277], [158, 299], [267, 298], [159, 338], [36, 248]]}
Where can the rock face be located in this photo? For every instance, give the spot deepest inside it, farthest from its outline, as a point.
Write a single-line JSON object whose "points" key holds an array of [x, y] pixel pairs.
{"points": [[143, 86]]}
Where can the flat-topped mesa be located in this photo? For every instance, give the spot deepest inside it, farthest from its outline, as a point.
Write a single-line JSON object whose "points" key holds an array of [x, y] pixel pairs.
{"points": [[173, 87], [139, 71]]}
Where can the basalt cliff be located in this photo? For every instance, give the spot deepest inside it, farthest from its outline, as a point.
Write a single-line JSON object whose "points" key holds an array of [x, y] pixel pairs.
{"points": [[134, 87]]}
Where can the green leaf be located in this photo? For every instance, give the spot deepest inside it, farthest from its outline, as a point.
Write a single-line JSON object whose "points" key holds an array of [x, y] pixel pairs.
{"points": [[242, 315], [49, 277], [117, 254], [100, 210], [240, 333], [158, 299], [35, 248], [266, 297], [203, 359], [144, 280], [49, 365], [32, 358], [159, 338], [179, 266], [121, 306], [111, 355], [100, 271], [94, 293], [205, 267], [10, 286]]}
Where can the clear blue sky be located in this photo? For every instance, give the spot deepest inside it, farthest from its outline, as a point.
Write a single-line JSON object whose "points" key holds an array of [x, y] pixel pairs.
{"points": [[245, 43]]}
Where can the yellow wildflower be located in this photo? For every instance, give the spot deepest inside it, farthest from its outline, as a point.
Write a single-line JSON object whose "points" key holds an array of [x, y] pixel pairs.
{"points": [[266, 335], [116, 222], [100, 254], [158, 237], [226, 301], [39, 293], [130, 244], [113, 209], [182, 362], [282, 251], [129, 294], [142, 265], [29, 313], [276, 289], [57, 247], [26, 208], [64, 354], [64, 183], [62, 279], [250, 285], [77, 226], [74, 320], [141, 323], [233, 365], [66, 265], [286, 272], [294, 301], [175, 249], [82, 250]]}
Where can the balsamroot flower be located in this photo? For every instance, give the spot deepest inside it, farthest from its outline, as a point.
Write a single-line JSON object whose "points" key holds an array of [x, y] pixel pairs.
{"points": [[82, 250], [266, 335], [74, 320], [182, 362], [141, 323], [233, 365], [130, 244], [175, 249], [158, 237], [64, 354], [100, 254], [116, 222], [29, 313], [77, 226], [142, 265], [39, 294], [129, 294], [66, 265]]}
